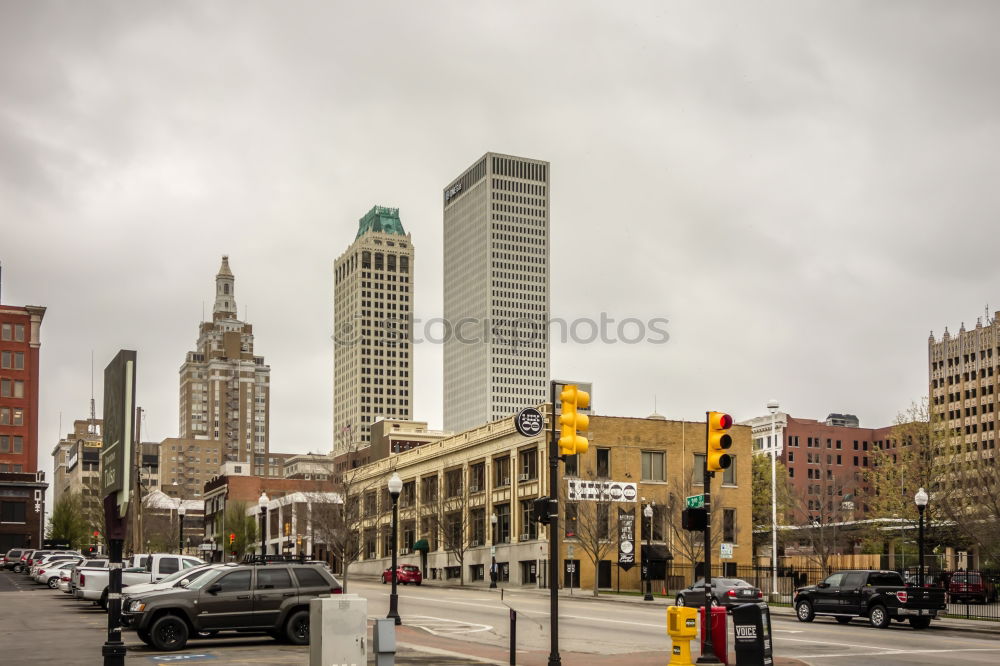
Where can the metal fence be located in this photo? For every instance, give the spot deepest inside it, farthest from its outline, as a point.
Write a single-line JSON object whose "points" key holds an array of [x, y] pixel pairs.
{"points": [[978, 601]]}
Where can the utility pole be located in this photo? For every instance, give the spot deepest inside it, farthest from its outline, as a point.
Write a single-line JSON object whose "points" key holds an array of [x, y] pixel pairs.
{"points": [[554, 484]]}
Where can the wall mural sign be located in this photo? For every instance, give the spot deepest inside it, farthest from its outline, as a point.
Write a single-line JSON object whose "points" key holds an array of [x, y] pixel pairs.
{"points": [[609, 491]]}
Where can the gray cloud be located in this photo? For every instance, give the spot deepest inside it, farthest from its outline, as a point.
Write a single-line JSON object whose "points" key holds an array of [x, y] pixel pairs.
{"points": [[803, 189]]}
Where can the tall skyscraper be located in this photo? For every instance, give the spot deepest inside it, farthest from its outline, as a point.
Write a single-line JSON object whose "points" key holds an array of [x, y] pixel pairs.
{"points": [[225, 391], [373, 327], [496, 290]]}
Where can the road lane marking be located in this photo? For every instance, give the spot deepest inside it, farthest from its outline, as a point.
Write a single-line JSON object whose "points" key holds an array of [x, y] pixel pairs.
{"points": [[893, 652], [441, 626], [449, 653]]}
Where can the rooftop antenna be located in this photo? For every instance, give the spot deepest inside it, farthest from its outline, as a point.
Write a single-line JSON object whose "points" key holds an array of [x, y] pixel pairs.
{"points": [[92, 427]]}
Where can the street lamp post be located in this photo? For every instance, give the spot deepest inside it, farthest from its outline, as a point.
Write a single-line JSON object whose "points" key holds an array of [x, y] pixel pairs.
{"points": [[772, 406], [262, 503], [647, 560], [395, 487], [921, 501], [180, 524], [493, 557]]}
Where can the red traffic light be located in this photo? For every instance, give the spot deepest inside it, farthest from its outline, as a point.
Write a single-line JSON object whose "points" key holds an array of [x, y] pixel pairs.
{"points": [[96, 534]]}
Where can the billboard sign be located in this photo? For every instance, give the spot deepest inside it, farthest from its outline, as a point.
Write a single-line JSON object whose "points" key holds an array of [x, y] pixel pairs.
{"points": [[626, 538], [119, 410], [607, 491]]}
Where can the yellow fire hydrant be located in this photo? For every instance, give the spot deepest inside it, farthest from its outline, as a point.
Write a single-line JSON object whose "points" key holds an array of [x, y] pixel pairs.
{"points": [[683, 628]]}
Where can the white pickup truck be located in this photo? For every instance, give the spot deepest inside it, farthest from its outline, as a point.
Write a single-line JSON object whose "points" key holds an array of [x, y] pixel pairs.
{"points": [[140, 568]]}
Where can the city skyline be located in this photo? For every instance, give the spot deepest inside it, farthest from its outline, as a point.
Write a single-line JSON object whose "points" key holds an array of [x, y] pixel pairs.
{"points": [[779, 200]]}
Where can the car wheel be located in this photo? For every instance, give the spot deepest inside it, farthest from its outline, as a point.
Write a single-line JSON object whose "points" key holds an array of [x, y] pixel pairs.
{"points": [[679, 601], [18, 568], [877, 617], [53, 583], [804, 611], [920, 622], [169, 633], [297, 628], [143, 636], [843, 620]]}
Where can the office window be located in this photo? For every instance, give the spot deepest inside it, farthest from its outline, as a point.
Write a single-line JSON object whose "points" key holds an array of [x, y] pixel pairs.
{"points": [[603, 463], [729, 474], [572, 465], [501, 471], [698, 470], [528, 526], [502, 534], [528, 464], [5, 331], [18, 444], [4, 443], [12, 512], [653, 466], [729, 525]]}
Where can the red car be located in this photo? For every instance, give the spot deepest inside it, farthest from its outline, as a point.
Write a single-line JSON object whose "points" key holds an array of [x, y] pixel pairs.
{"points": [[969, 586], [405, 573]]}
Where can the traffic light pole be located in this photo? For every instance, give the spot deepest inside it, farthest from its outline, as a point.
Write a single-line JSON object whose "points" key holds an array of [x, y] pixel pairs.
{"points": [[554, 483], [708, 655]]}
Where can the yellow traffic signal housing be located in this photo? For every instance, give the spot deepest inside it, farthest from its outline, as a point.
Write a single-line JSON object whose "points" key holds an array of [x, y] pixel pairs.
{"points": [[719, 441], [571, 421]]}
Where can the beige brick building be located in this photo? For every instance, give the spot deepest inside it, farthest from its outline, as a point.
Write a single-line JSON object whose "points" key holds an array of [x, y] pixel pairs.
{"points": [[469, 477], [187, 464], [225, 390], [373, 327]]}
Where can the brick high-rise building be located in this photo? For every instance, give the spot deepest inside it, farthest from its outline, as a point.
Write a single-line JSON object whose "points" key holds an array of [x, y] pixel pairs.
{"points": [[22, 486], [373, 324], [496, 290], [225, 390]]}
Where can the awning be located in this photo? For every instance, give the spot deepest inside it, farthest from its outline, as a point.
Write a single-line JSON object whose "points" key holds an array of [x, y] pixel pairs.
{"points": [[656, 552], [420, 544]]}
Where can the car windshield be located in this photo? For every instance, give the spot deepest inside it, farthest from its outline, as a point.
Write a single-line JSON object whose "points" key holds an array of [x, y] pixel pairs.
{"points": [[410, 567]]}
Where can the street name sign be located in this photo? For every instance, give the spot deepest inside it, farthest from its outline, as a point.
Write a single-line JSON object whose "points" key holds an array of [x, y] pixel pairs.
{"points": [[696, 502]]}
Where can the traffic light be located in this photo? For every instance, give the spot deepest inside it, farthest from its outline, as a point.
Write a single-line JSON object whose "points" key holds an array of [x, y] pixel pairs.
{"points": [[718, 442], [540, 510], [571, 421], [232, 538], [694, 520]]}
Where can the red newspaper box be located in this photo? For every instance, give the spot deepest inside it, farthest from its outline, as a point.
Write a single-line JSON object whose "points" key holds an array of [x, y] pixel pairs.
{"points": [[720, 639]]}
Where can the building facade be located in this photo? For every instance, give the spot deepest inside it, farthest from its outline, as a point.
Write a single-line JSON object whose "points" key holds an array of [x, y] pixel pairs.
{"points": [[76, 465], [225, 390], [373, 306], [496, 290], [187, 464], [828, 462], [454, 488], [22, 485]]}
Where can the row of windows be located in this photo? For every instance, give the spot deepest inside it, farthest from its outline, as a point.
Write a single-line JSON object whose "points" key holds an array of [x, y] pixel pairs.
{"points": [[12, 360], [12, 332]]}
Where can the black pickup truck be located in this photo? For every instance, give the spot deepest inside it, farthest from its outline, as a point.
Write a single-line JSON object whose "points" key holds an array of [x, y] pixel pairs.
{"points": [[880, 596]]}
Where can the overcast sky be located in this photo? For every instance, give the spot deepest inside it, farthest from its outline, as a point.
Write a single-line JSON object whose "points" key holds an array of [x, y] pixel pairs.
{"points": [[804, 190]]}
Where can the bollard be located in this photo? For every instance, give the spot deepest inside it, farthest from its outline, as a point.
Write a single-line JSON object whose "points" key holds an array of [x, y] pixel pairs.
{"points": [[682, 628], [384, 641], [338, 627], [513, 636]]}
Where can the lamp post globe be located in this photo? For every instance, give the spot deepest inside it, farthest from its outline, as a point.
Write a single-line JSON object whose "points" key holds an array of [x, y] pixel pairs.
{"points": [[921, 499], [647, 560], [262, 503], [395, 486]]}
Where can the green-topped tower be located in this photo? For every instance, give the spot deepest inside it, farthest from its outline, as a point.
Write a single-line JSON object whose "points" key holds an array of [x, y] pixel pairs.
{"points": [[373, 325]]}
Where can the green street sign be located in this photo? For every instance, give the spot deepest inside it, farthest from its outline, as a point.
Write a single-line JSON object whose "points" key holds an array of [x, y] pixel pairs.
{"points": [[696, 502]]}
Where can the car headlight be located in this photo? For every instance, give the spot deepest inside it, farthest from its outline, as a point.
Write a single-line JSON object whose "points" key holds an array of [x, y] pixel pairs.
{"points": [[137, 606]]}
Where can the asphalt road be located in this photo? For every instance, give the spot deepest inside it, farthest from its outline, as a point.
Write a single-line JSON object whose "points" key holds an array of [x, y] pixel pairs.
{"points": [[614, 627]]}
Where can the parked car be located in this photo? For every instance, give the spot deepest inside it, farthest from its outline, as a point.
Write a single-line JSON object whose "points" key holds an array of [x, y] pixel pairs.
{"points": [[12, 557], [728, 592], [48, 561], [272, 597], [77, 572], [93, 585], [174, 579], [405, 574], [45, 573], [880, 596], [936, 579], [970, 586]]}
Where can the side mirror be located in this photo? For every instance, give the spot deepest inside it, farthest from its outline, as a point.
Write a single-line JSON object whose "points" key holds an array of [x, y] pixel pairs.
{"points": [[184, 582], [214, 588], [823, 585]]}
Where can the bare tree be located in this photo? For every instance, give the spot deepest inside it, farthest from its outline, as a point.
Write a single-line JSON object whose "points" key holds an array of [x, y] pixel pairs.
{"points": [[450, 518], [337, 525], [689, 545], [829, 504]]}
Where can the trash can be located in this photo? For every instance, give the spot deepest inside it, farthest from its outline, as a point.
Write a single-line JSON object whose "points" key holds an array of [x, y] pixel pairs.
{"points": [[752, 628], [719, 637], [682, 629]]}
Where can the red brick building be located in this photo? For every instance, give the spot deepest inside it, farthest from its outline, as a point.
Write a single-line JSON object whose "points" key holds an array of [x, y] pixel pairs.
{"points": [[826, 461], [22, 486]]}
